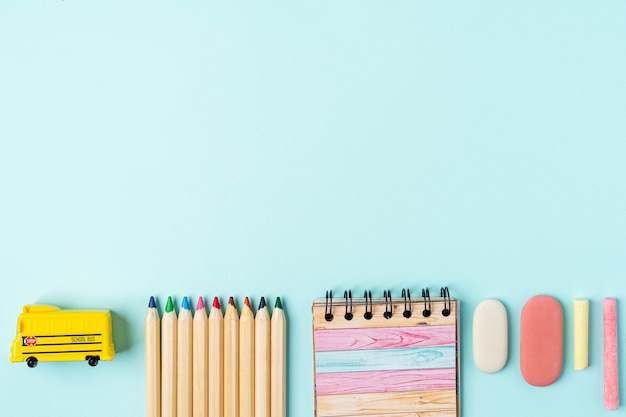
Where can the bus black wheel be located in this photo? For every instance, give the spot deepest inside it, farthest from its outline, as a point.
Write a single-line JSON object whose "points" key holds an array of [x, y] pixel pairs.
{"points": [[31, 361], [92, 360]]}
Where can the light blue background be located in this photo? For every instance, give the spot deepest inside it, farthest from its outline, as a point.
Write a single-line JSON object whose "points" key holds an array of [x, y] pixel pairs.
{"points": [[282, 148]]}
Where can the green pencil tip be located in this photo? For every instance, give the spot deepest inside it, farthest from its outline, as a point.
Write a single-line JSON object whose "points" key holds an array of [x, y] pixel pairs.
{"points": [[169, 307], [278, 303]]}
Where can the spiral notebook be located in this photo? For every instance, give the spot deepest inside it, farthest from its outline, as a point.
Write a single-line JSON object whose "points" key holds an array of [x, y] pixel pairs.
{"points": [[386, 357]]}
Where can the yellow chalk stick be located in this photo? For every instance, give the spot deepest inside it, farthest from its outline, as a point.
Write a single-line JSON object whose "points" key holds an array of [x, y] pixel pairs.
{"points": [[581, 333]]}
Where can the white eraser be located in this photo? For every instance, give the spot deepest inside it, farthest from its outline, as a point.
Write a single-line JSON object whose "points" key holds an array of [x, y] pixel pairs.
{"points": [[490, 333]]}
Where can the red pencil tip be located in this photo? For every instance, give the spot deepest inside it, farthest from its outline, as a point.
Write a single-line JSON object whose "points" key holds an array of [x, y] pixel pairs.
{"points": [[200, 305], [216, 303], [247, 302]]}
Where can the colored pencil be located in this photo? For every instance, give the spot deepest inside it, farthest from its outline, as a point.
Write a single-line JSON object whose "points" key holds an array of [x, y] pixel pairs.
{"points": [[246, 361], [168, 360], [262, 331], [231, 360], [152, 346], [184, 362], [216, 389], [278, 367], [200, 361]]}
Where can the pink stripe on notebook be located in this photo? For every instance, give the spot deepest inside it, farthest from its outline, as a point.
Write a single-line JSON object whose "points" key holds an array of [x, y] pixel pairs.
{"points": [[385, 381], [383, 338]]}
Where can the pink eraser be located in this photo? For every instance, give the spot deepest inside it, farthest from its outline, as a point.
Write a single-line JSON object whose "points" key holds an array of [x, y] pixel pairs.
{"points": [[611, 379], [541, 340]]}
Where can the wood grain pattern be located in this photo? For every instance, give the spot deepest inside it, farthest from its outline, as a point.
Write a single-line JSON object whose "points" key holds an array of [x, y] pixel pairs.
{"points": [[386, 403], [386, 367], [385, 359], [434, 413], [385, 381], [382, 338]]}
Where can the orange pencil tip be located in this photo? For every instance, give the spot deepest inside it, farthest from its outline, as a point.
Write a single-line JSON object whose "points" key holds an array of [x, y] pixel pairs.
{"points": [[247, 302]]}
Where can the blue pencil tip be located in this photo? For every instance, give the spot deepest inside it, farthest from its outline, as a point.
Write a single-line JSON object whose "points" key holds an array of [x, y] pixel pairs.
{"points": [[185, 304], [152, 303]]}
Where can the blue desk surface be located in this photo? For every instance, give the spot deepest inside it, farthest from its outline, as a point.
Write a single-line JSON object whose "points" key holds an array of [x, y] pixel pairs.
{"points": [[282, 148]]}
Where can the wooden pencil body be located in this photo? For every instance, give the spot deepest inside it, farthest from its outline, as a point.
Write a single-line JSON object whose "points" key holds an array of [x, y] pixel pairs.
{"points": [[262, 334], [216, 391], [231, 361], [278, 368], [200, 364], [184, 371], [152, 341], [246, 362], [169, 330]]}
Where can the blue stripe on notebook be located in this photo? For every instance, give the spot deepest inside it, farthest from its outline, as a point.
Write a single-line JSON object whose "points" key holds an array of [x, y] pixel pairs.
{"points": [[385, 359]]}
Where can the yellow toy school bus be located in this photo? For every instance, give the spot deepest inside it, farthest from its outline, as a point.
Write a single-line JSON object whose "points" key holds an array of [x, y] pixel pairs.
{"points": [[48, 333]]}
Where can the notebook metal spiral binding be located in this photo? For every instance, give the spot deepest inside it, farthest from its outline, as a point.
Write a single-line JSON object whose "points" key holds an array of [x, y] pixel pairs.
{"points": [[348, 297], [446, 301], [388, 305], [406, 296], [368, 310], [328, 312], [426, 296]]}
